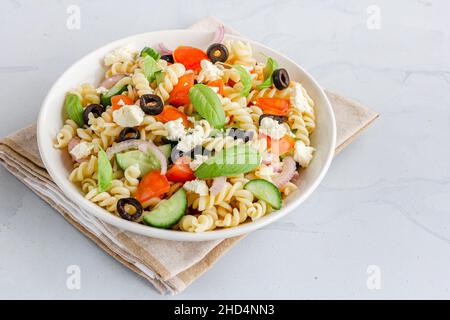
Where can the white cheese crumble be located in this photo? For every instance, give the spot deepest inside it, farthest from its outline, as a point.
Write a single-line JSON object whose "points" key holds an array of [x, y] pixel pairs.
{"points": [[272, 128], [303, 154], [298, 99], [175, 129], [198, 160], [128, 116], [209, 72], [266, 170], [194, 138], [102, 90], [122, 54], [81, 150], [197, 186]]}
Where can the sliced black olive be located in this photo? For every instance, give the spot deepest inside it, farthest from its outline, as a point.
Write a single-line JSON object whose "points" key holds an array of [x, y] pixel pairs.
{"points": [[151, 104], [279, 119], [123, 212], [240, 134], [217, 52], [168, 58], [128, 134], [95, 109], [280, 79]]}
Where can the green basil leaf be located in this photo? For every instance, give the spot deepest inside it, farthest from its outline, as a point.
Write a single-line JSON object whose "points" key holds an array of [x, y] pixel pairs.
{"points": [[74, 108], [208, 105], [271, 66], [246, 80], [230, 162], [104, 171], [150, 68], [150, 52]]}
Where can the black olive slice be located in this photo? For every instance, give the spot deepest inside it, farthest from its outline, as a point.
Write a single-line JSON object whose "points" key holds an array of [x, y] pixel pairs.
{"points": [[123, 212], [151, 104], [168, 58], [217, 52], [240, 134], [279, 119], [280, 79], [95, 109], [128, 134]]}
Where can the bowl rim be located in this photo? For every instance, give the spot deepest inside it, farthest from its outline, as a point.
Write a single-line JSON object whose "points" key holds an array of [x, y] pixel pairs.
{"points": [[102, 214]]}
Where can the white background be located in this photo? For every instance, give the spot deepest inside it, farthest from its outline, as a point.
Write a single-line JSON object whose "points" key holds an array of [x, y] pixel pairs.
{"points": [[384, 202]]}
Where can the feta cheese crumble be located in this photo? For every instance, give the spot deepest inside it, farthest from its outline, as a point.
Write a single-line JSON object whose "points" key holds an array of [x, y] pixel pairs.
{"points": [[298, 99], [197, 186], [209, 72], [303, 154], [198, 160], [175, 129], [272, 128], [128, 116], [194, 138], [122, 54], [102, 90], [81, 150]]}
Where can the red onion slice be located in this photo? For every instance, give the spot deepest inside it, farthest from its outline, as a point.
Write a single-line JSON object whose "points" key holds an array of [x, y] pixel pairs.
{"points": [[287, 172], [145, 146], [219, 35], [217, 185], [163, 50], [108, 83]]}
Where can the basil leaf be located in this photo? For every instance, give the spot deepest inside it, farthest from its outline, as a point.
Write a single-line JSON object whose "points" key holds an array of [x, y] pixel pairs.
{"points": [[150, 52], [208, 105], [74, 108], [230, 162], [246, 80], [150, 68], [104, 172], [271, 66]]}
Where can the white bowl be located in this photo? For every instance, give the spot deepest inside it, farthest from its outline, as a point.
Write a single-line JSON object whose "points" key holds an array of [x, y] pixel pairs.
{"points": [[89, 69]]}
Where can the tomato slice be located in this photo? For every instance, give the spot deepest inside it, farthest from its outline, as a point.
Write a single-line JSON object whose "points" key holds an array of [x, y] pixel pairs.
{"points": [[152, 185], [180, 93], [279, 147], [218, 84], [190, 57], [276, 106], [180, 171], [116, 104], [170, 113]]}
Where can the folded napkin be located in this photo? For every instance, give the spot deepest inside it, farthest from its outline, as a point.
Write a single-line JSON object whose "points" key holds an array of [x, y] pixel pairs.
{"points": [[169, 265]]}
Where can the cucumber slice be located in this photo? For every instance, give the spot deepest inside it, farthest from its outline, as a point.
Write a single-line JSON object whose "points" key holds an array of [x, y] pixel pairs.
{"points": [[146, 161], [266, 191], [118, 88], [167, 212], [166, 150]]}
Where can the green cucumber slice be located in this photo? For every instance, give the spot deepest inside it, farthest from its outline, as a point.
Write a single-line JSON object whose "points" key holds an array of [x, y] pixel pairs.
{"points": [[166, 149], [146, 161], [266, 191], [118, 88], [167, 212]]}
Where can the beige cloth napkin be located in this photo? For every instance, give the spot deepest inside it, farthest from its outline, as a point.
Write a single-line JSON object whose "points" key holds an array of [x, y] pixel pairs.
{"points": [[169, 265]]}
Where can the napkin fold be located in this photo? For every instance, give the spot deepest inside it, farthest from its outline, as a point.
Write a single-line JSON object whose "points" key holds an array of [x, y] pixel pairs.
{"points": [[170, 266]]}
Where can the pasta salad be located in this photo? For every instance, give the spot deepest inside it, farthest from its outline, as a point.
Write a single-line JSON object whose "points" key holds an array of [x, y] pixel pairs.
{"points": [[188, 139]]}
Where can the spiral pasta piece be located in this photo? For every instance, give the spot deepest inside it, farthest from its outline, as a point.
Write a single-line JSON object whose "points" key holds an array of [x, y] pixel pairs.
{"points": [[152, 128], [103, 199], [221, 199], [131, 175], [171, 75], [240, 53], [297, 124], [119, 190], [88, 94], [66, 133], [121, 67], [238, 115], [234, 218], [288, 188], [141, 83], [84, 170], [257, 210], [269, 93]]}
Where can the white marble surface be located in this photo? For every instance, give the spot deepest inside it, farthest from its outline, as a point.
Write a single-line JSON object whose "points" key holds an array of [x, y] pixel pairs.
{"points": [[385, 201]]}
